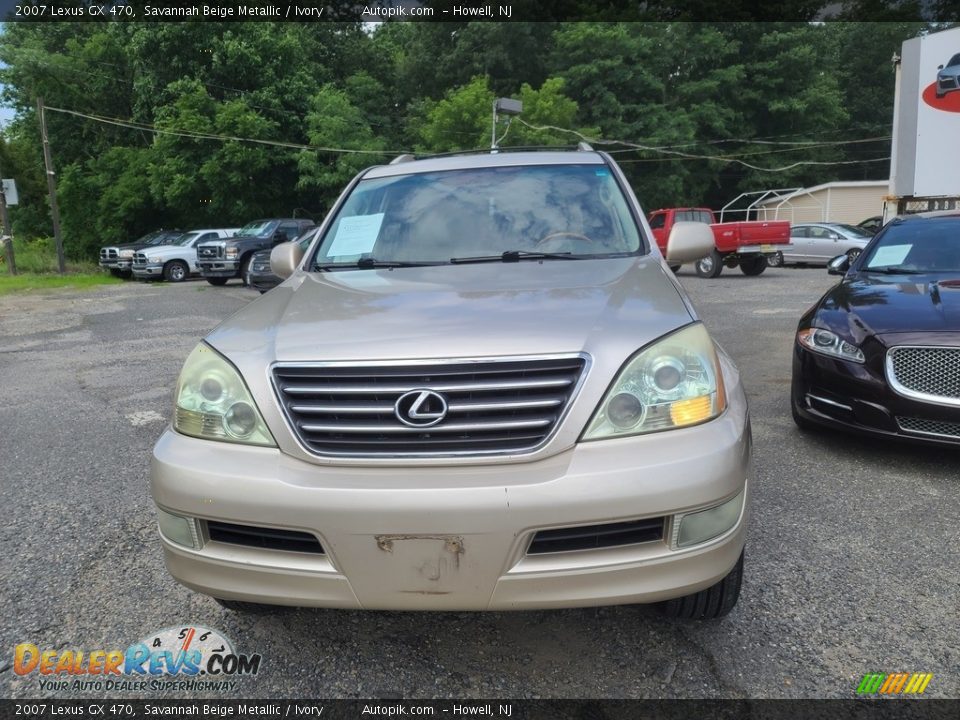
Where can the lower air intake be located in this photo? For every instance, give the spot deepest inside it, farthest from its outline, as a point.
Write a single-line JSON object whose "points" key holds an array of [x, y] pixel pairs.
{"points": [[591, 537], [265, 538]]}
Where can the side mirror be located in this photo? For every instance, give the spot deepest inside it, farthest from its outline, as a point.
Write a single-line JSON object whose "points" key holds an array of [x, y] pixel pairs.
{"points": [[284, 259], [838, 265], [939, 67], [689, 242]]}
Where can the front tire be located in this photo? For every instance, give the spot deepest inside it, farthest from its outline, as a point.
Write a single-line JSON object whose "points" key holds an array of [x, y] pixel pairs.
{"points": [[714, 602], [176, 271], [218, 281], [116, 273], [853, 254], [752, 266], [245, 270], [775, 260], [711, 266]]}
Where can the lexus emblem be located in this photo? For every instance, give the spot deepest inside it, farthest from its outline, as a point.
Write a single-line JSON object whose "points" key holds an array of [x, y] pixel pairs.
{"points": [[420, 408]]}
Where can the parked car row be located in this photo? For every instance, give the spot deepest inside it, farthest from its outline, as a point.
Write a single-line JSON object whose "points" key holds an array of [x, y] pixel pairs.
{"points": [[217, 254], [178, 260], [118, 259]]}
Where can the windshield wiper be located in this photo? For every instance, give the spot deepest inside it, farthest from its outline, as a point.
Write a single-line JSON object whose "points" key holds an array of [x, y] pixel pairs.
{"points": [[369, 263], [894, 270], [515, 256]]}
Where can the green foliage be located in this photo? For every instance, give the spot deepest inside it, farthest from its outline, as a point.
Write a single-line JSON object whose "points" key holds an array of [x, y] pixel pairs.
{"points": [[335, 122], [694, 106]]}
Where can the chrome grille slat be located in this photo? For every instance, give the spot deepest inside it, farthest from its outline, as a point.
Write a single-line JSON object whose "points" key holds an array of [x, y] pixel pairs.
{"points": [[443, 427], [931, 374], [453, 407], [439, 387], [497, 406]]}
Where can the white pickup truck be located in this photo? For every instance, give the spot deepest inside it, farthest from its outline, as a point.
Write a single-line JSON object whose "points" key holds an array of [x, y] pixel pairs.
{"points": [[178, 261]]}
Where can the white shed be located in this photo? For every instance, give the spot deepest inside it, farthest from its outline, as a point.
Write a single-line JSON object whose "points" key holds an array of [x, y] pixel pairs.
{"points": [[841, 202]]}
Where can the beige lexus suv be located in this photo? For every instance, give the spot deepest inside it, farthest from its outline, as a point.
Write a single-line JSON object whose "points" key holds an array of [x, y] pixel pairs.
{"points": [[479, 388]]}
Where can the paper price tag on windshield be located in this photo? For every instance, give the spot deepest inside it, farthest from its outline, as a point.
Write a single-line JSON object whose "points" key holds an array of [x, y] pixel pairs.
{"points": [[356, 235], [890, 255]]}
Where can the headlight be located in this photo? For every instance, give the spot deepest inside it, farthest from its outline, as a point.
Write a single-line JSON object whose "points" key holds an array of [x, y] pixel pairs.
{"points": [[674, 383], [232, 253], [828, 343], [155, 259], [212, 402], [126, 253]]}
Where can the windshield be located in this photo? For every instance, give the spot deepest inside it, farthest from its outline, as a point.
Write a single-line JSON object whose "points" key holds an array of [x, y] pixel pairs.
{"points": [[164, 238], [574, 210], [923, 246], [855, 231], [257, 228], [186, 239]]}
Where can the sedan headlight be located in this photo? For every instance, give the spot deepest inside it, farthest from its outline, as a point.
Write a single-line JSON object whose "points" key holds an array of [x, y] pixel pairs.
{"points": [[828, 343], [673, 383], [213, 403]]}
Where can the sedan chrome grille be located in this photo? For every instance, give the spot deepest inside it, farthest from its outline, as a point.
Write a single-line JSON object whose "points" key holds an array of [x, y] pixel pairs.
{"points": [[455, 407], [931, 374], [934, 428]]}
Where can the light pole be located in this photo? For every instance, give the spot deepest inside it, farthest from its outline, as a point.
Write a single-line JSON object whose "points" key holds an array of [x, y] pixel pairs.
{"points": [[502, 106]]}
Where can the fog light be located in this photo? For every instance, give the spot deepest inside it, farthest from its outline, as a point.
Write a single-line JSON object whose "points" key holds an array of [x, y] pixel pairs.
{"points": [[178, 529], [705, 525]]}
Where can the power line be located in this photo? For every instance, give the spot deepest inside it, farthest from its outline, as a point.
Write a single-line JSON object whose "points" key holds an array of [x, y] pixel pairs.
{"points": [[691, 156], [212, 136]]}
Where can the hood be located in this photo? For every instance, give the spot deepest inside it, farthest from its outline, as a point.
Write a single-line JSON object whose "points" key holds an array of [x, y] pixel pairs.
{"points": [[868, 305], [152, 251], [449, 311]]}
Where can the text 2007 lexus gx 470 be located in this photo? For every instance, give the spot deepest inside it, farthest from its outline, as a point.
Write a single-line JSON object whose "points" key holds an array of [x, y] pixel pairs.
{"points": [[479, 388]]}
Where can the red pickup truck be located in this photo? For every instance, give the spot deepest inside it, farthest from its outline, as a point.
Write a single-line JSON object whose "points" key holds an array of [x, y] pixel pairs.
{"points": [[747, 244]]}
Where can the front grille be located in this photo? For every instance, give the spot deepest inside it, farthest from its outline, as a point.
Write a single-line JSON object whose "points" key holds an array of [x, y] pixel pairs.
{"points": [[590, 537], [209, 251], [500, 406], [140, 260], [920, 426], [109, 254], [266, 538], [925, 373]]}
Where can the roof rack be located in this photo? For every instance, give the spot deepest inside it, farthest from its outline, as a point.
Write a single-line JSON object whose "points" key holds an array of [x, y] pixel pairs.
{"points": [[584, 146]]}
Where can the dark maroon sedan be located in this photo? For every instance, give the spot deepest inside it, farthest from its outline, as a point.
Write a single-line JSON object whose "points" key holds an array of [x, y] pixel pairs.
{"points": [[880, 352]]}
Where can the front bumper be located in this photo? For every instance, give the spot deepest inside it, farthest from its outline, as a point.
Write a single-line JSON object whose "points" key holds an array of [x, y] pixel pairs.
{"points": [[436, 537], [856, 398], [147, 271], [220, 268]]}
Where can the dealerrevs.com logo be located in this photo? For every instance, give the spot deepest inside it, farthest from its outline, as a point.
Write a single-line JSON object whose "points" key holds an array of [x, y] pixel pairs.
{"points": [[191, 658]]}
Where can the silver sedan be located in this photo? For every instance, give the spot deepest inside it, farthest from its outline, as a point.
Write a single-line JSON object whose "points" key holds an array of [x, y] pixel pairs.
{"points": [[948, 77], [816, 243]]}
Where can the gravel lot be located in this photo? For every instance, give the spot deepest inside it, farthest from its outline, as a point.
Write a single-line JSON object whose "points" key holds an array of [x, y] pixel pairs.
{"points": [[852, 562]]}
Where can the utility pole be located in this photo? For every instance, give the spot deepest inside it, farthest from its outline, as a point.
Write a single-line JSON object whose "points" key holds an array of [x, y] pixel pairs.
{"points": [[7, 235], [51, 187]]}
